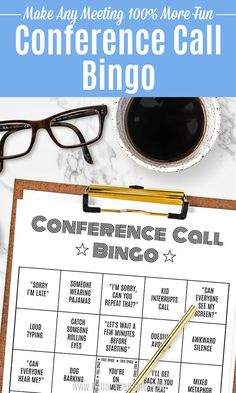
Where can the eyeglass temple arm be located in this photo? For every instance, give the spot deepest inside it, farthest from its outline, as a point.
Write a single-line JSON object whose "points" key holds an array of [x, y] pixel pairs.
{"points": [[2, 141], [86, 153], [13, 127], [76, 115], [101, 109]]}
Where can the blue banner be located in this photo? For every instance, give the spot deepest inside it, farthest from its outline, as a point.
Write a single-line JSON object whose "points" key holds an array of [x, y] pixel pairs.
{"points": [[118, 48]]}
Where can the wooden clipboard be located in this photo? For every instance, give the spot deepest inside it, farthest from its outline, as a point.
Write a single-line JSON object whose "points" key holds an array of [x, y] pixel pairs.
{"points": [[20, 186]]}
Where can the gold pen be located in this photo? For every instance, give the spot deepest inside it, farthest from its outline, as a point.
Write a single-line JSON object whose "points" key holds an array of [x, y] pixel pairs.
{"points": [[163, 348]]}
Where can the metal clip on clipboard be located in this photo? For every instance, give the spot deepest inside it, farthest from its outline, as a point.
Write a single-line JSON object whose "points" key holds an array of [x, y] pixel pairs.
{"points": [[139, 194]]}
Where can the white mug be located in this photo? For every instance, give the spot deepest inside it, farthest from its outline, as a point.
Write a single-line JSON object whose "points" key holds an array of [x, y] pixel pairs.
{"points": [[212, 121]]}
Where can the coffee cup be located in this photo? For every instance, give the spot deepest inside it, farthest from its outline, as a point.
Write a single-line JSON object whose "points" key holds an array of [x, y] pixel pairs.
{"points": [[167, 134]]}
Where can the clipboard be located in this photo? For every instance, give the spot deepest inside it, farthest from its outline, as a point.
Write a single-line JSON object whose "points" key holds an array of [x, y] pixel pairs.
{"points": [[134, 193]]}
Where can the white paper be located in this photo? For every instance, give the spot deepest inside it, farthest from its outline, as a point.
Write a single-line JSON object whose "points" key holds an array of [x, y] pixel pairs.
{"points": [[84, 318]]}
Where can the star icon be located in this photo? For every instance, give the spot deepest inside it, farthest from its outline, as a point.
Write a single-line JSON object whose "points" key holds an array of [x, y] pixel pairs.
{"points": [[169, 256], [82, 249]]}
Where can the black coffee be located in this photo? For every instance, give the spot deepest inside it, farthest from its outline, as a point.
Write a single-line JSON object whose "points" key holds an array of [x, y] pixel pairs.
{"points": [[165, 129]]}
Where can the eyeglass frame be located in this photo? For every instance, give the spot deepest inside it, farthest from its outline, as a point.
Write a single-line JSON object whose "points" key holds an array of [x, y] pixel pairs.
{"points": [[100, 110]]}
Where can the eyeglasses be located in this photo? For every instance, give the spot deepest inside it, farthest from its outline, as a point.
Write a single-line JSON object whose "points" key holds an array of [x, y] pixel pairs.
{"points": [[70, 129]]}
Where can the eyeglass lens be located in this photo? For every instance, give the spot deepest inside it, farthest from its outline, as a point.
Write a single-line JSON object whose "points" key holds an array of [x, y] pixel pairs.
{"points": [[75, 128], [15, 140]]}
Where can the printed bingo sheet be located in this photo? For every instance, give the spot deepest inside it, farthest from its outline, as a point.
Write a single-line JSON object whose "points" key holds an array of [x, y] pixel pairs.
{"points": [[93, 297], [66, 320]]}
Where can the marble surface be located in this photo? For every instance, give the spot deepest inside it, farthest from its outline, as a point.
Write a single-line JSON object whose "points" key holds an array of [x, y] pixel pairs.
{"points": [[214, 176]]}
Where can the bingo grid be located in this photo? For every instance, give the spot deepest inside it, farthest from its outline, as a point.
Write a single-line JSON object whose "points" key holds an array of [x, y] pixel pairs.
{"points": [[94, 331]]}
